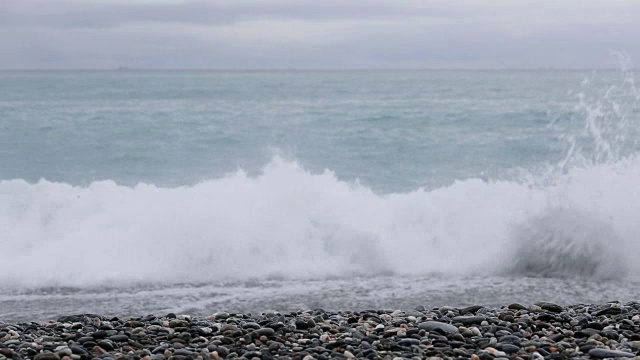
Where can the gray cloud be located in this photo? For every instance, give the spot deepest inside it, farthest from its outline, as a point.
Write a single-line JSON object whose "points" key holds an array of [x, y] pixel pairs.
{"points": [[316, 34], [87, 14]]}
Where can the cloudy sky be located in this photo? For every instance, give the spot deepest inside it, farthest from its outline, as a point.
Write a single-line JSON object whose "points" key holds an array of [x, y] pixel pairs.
{"points": [[312, 34]]}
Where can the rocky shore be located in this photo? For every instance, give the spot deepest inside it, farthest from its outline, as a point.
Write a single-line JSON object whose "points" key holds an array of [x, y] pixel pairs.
{"points": [[542, 330]]}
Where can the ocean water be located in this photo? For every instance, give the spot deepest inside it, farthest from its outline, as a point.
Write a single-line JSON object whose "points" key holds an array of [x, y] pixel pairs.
{"points": [[138, 192]]}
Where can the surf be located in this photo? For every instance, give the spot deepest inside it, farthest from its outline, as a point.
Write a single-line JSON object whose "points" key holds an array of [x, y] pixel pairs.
{"points": [[576, 218]]}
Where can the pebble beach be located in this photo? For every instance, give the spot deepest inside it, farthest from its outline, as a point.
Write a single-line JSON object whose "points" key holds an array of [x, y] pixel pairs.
{"points": [[517, 331]]}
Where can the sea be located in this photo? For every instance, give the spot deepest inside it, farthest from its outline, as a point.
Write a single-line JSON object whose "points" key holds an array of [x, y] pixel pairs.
{"points": [[129, 192]]}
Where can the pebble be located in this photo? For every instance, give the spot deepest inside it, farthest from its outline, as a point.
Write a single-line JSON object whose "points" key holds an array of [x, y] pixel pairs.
{"points": [[432, 325], [550, 307], [540, 331], [605, 353], [468, 320], [47, 356], [268, 332]]}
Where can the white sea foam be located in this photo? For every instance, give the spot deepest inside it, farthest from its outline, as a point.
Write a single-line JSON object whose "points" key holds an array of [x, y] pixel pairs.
{"points": [[288, 222], [580, 219]]}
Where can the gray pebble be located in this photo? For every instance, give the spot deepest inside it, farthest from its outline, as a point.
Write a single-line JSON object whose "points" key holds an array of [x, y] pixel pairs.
{"points": [[431, 325]]}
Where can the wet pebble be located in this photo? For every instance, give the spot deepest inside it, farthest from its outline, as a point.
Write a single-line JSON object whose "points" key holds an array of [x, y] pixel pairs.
{"points": [[606, 353], [542, 330], [436, 325]]}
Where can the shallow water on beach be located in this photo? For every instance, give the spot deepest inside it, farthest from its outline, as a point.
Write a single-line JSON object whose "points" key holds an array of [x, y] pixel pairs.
{"points": [[386, 292]]}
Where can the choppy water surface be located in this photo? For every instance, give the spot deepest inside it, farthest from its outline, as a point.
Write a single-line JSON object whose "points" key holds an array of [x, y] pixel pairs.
{"points": [[295, 190]]}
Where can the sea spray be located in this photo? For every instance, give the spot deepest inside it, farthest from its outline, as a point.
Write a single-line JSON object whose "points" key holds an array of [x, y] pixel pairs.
{"points": [[578, 234], [607, 113]]}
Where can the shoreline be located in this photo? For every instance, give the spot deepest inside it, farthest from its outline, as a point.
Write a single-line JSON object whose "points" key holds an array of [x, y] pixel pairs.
{"points": [[543, 330], [355, 294]]}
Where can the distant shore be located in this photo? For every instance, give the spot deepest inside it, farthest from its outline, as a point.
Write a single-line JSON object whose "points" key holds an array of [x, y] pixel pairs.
{"points": [[516, 331]]}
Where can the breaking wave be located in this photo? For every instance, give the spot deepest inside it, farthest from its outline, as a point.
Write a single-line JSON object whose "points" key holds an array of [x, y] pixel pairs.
{"points": [[579, 219], [288, 222]]}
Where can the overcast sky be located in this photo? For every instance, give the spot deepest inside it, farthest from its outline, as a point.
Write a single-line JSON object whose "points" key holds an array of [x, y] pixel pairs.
{"points": [[312, 34]]}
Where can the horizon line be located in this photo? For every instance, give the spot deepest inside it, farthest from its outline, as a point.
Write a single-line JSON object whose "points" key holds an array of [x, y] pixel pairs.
{"points": [[132, 69]]}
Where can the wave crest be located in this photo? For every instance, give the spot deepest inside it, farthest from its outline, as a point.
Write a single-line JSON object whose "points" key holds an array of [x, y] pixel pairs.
{"points": [[290, 223]]}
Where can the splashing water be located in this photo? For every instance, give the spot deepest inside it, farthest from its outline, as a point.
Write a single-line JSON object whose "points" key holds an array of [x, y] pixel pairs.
{"points": [[585, 229], [607, 112], [290, 223]]}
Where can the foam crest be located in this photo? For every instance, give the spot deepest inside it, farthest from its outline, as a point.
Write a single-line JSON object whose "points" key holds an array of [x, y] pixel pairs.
{"points": [[290, 223]]}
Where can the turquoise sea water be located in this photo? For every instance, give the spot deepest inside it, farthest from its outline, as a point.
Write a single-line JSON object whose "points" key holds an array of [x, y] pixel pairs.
{"points": [[120, 180], [394, 131]]}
